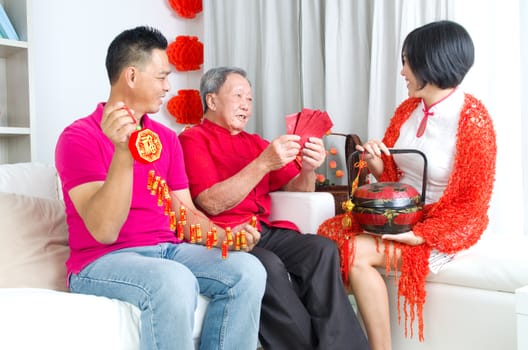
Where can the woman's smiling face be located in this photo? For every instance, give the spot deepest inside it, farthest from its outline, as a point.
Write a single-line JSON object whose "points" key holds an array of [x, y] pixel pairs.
{"points": [[413, 88]]}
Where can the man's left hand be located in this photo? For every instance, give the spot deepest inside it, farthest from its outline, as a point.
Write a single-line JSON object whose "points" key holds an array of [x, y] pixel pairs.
{"points": [[313, 154], [252, 235]]}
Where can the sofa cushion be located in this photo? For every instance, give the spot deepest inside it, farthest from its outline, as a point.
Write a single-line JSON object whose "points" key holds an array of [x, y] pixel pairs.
{"points": [[34, 242], [38, 318], [496, 262], [31, 179]]}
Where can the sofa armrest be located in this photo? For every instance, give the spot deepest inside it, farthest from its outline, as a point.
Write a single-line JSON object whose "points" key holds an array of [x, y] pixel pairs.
{"points": [[521, 301], [305, 209]]}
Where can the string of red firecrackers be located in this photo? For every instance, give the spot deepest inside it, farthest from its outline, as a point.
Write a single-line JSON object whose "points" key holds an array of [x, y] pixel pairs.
{"points": [[158, 187], [146, 147], [186, 53]]}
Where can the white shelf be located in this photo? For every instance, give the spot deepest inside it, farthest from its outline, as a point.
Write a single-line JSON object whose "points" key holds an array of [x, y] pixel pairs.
{"points": [[16, 110], [6, 131], [10, 47]]}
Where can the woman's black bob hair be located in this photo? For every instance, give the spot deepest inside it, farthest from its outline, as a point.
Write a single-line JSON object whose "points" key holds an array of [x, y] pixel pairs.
{"points": [[439, 53]]}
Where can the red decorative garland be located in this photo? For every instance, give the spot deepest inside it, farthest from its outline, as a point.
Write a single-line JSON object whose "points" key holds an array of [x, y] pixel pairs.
{"points": [[186, 107], [186, 53], [186, 8]]}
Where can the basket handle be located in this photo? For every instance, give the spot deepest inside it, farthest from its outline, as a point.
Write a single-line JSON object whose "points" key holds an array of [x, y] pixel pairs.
{"points": [[353, 171]]}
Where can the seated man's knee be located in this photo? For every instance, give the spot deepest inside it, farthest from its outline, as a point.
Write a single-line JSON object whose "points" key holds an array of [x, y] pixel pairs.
{"points": [[175, 282], [325, 246], [271, 262]]}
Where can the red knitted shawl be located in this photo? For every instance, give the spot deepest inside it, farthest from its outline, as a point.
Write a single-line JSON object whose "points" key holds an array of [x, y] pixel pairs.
{"points": [[455, 222]]}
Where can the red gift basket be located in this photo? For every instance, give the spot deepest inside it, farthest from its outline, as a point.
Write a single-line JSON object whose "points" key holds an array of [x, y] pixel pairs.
{"points": [[387, 207]]}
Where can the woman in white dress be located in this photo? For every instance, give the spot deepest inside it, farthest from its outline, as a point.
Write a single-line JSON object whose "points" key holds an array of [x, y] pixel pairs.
{"points": [[456, 133]]}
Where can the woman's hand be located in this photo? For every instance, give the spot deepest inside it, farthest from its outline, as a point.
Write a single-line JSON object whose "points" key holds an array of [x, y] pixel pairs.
{"points": [[408, 238], [374, 149]]}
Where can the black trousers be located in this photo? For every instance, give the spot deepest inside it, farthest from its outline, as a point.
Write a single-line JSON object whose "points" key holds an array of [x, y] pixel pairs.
{"points": [[305, 305]]}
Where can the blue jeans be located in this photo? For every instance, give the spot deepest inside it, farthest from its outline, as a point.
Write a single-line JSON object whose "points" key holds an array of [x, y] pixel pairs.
{"points": [[164, 281]]}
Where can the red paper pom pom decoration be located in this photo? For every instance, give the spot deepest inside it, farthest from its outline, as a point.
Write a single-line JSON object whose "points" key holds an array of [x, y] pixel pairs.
{"points": [[186, 53], [186, 107], [186, 8]]}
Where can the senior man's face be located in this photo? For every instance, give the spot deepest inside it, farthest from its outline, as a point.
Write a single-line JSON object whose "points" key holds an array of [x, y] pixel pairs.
{"points": [[233, 103]]}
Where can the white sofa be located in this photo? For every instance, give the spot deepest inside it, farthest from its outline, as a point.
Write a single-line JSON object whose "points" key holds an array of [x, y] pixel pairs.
{"points": [[36, 311], [471, 304]]}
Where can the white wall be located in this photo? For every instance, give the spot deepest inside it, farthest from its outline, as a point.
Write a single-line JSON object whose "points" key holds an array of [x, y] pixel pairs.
{"points": [[68, 41], [523, 13]]}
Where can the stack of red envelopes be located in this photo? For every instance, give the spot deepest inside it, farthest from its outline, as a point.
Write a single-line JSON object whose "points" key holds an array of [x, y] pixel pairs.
{"points": [[308, 123]]}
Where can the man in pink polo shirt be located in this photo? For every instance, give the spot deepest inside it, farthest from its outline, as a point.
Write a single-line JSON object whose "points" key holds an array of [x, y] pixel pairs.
{"points": [[122, 212], [231, 173]]}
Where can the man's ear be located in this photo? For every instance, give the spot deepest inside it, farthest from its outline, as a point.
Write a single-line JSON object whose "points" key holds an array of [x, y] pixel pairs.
{"points": [[210, 100], [130, 75]]}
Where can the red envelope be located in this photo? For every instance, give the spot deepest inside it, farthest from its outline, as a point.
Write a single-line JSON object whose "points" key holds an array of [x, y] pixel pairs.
{"points": [[291, 122], [308, 123]]}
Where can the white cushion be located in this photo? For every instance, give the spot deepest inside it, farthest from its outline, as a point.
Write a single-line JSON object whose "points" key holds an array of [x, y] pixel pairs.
{"points": [[31, 179], [36, 318], [458, 318], [46, 319], [494, 263]]}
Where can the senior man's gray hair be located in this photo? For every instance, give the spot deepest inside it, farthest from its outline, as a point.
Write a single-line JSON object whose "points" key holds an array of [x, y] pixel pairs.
{"points": [[213, 80]]}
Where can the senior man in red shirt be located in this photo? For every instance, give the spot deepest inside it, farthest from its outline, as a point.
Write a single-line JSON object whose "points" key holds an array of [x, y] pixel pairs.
{"points": [[231, 173]]}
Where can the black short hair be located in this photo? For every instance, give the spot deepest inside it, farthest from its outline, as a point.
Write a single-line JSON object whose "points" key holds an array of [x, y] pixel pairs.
{"points": [[213, 80], [439, 53], [132, 47]]}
